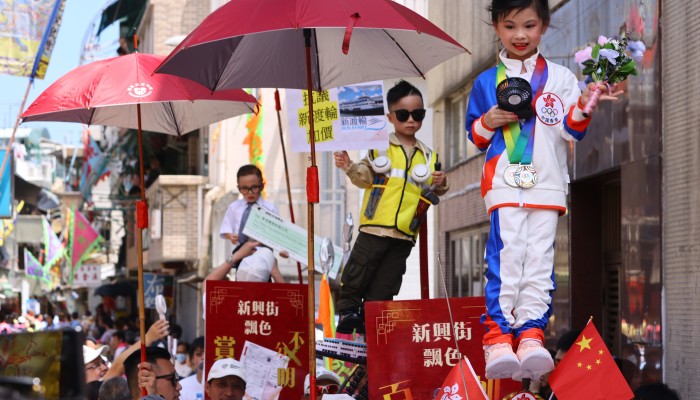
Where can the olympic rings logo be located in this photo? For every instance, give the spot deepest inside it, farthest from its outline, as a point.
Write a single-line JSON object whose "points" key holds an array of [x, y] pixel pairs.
{"points": [[552, 112]]}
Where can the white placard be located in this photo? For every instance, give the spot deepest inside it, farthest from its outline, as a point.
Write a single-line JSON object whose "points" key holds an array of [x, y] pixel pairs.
{"points": [[261, 365], [279, 234], [350, 117]]}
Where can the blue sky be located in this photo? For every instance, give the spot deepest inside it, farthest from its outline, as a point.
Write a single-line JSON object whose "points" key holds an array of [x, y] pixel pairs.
{"points": [[77, 18]]}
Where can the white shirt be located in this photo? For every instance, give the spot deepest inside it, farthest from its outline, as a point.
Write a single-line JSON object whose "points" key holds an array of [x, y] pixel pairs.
{"points": [[232, 219], [190, 388]]}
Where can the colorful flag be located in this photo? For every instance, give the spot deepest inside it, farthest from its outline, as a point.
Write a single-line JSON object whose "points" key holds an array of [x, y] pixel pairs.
{"points": [[82, 241], [462, 383], [94, 165], [53, 248], [326, 310], [29, 31], [254, 138], [33, 268], [588, 371], [8, 225]]}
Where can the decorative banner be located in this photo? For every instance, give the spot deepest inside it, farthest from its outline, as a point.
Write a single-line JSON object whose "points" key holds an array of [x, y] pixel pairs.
{"points": [[153, 285], [83, 239], [411, 347], [280, 234], [259, 316], [29, 30], [6, 187], [347, 118], [53, 248], [8, 225], [33, 268], [94, 165], [36, 354], [88, 275]]}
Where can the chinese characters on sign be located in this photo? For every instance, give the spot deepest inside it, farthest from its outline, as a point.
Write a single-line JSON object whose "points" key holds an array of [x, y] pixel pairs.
{"points": [[347, 118], [246, 321], [412, 346], [88, 275]]}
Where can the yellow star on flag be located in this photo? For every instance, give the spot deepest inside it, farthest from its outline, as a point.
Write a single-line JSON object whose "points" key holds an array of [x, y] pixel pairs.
{"points": [[584, 343], [579, 365], [588, 367], [597, 362], [600, 352]]}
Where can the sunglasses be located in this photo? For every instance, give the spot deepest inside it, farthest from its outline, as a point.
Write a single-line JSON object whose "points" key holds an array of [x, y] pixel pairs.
{"points": [[250, 189], [402, 115], [100, 363], [173, 378], [327, 389]]}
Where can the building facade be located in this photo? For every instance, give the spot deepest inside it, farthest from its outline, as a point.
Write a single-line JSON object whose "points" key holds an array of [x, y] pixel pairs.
{"points": [[623, 252]]}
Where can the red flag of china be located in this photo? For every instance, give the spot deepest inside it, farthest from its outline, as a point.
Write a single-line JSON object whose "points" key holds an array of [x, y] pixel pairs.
{"points": [[462, 381], [588, 371]]}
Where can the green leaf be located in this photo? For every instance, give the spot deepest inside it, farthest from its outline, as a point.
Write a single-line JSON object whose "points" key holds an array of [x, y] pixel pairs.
{"points": [[589, 70], [589, 63], [596, 50]]}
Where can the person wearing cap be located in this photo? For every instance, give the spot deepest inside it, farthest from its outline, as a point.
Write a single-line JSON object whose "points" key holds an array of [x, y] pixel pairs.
{"points": [[327, 382], [95, 365], [226, 380]]}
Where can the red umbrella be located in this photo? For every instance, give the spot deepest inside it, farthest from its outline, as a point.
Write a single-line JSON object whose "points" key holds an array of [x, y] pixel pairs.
{"points": [[124, 92], [313, 45]]}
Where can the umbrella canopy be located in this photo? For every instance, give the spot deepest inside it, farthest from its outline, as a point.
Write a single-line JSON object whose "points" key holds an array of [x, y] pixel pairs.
{"points": [[254, 43], [107, 93]]}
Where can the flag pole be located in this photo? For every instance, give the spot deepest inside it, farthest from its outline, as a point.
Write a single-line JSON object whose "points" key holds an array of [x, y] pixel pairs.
{"points": [[278, 107], [452, 323], [37, 61], [14, 130]]}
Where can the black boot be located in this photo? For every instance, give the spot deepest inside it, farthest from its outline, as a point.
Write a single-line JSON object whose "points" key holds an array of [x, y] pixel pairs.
{"points": [[350, 321]]}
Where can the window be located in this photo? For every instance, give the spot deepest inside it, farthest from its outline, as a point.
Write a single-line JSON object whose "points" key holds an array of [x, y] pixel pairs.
{"points": [[459, 147], [467, 264]]}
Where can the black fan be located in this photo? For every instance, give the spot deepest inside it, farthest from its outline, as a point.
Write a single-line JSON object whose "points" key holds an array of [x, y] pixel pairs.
{"points": [[515, 95]]}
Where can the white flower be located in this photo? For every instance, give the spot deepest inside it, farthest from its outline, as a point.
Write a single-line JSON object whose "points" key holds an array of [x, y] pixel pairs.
{"points": [[610, 55]]}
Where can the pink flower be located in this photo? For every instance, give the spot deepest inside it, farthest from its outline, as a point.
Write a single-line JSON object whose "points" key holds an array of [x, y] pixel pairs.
{"points": [[583, 55], [602, 40]]}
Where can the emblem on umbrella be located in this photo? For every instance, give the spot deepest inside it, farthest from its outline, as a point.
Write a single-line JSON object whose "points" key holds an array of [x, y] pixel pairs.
{"points": [[139, 90]]}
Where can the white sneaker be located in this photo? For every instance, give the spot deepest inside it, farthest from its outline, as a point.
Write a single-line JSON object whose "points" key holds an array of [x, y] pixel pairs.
{"points": [[501, 362], [535, 360]]}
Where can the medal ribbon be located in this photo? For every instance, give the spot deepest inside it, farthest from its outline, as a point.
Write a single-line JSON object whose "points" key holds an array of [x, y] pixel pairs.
{"points": [[520, 141]]}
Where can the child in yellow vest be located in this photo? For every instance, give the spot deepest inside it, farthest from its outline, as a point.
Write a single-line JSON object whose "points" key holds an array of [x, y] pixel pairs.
{"points": [[400, 183]]}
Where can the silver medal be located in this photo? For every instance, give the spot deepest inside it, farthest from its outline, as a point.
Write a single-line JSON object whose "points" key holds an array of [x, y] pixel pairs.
{"points": [[525, 176], [509, 175]]}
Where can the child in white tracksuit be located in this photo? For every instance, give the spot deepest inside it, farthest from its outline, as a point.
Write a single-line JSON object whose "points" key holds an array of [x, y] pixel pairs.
{"points": [[524, 185]]}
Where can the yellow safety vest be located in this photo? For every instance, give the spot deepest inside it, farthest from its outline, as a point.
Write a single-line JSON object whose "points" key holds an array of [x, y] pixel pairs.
{"points": [[401, 194]]}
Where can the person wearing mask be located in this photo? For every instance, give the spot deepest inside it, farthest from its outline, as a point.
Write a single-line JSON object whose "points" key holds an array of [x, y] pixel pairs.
{"points": [[193, 385]]}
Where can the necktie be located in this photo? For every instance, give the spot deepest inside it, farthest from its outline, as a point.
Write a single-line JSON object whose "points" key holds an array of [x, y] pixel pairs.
{"points": [[241, 237]]}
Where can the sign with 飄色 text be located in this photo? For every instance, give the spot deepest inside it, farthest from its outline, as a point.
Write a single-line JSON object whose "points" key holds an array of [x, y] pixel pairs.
{"points": [[263, 325], [346, 118], [412, 346]]}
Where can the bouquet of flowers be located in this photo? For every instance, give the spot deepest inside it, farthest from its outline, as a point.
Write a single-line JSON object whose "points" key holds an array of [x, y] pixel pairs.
{"points": [[609, 61]]}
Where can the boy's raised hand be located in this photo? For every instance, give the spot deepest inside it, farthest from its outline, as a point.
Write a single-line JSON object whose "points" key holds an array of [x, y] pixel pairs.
{"points": [[439, 178], [342, 160], [496, 118]]}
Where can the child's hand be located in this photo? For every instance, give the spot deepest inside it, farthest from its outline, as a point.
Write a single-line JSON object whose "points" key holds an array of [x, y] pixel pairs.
{"points": [[342, 160], [284, 254], [495, 117], [439, 178], [611, 94]]}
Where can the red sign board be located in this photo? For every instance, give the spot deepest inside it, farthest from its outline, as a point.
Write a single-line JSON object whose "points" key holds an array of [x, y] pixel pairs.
{"points": [[412, 346], [269, 316]]}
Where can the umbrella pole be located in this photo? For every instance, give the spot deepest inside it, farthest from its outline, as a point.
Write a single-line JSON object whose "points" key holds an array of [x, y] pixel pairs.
{"points": [[139, 247], [278, 107], [312, 197]]}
